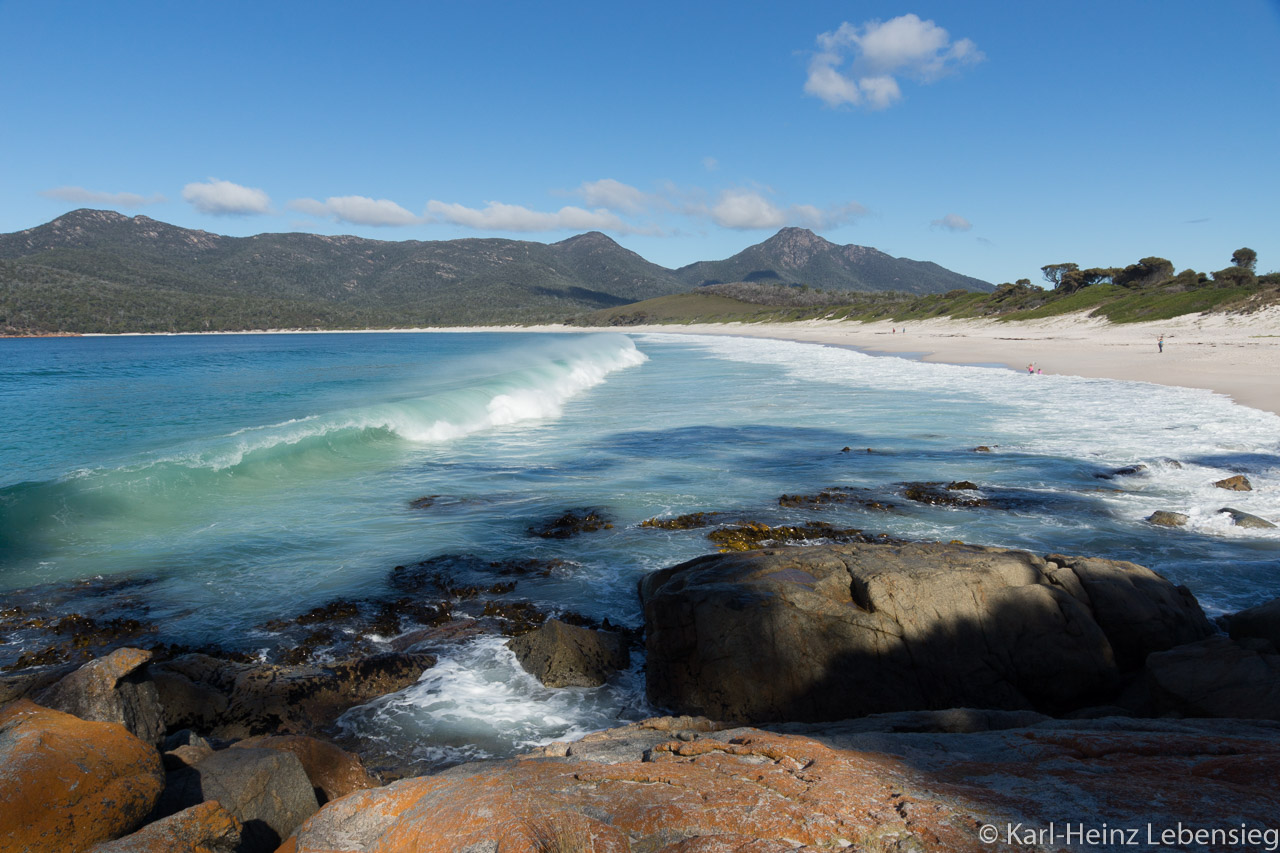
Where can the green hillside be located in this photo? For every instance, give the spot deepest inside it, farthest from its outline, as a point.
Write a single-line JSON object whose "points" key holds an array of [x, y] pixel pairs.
{"points": [[101, 271]]}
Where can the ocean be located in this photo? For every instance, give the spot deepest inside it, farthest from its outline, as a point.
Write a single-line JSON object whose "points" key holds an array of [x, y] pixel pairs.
{"points": [[230, 480]]}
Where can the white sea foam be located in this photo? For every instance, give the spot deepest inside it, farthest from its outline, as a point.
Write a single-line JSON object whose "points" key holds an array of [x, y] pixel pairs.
{"points": [[1107, 423], [478, 700]]}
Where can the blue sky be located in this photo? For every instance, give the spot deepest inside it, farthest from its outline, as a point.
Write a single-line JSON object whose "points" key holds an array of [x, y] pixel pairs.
{"points": [[992, 138]]}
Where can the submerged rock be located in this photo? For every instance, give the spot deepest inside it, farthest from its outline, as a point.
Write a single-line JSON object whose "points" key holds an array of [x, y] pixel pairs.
{"points": [[688, 521], [834, 496], [936, 494], [572, 523], [841, 631], [1126, 471], [561, 655]]}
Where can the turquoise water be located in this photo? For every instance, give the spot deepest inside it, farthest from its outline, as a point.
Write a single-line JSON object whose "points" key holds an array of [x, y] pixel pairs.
{"points": [[243, 478]]}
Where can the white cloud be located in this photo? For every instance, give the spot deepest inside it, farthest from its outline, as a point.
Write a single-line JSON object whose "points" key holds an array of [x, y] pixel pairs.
{"points": [[614, 195], [496, 216], [710, 164], [877, 54], [80, 195], [357, 210], [748, 209], [223, 198], [953, 222]]}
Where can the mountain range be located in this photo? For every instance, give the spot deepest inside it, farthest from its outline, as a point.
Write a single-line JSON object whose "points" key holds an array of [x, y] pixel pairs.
{"points": [[101, 271]]}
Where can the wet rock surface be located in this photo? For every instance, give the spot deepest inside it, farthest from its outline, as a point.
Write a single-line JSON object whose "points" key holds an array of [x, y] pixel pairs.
{"points": [[688, 521], [754, 535], [1243, 519], [561, 655], [1168, 518], [840, 631], [939, 494], [261, 699], [572, 523], [1237, 483], [835, 496]]}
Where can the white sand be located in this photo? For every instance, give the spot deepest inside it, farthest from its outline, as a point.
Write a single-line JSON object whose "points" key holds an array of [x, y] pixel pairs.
{"points": [[1233, 354]]}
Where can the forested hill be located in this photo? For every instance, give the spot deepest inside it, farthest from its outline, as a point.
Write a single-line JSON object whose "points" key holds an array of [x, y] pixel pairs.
{"points": [[100, 271]]}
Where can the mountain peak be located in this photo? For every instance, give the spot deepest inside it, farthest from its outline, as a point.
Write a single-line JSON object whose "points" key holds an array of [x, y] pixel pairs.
{"points": [[589, 238], [794, 247]]}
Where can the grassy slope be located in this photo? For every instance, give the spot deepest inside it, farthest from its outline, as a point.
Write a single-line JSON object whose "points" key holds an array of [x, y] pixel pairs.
{"points": [[1117, 304]]}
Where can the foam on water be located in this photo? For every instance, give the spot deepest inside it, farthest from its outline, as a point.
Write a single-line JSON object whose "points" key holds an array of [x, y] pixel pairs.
{"points": [[1188, 438], [478, 702]]}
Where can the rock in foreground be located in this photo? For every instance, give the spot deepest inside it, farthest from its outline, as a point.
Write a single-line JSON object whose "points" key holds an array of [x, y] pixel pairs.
{"points": [[843, 631], [749, 791], [66, 784]]}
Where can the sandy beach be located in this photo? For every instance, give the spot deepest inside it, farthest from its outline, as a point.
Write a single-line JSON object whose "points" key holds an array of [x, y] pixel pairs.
{"points": [[1233, 354]]}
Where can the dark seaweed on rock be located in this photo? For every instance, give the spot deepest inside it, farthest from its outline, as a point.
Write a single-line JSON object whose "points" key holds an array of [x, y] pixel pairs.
{"points": [[936, 494], [688, 521], [754, 535], [572, 523], [834, 496]]}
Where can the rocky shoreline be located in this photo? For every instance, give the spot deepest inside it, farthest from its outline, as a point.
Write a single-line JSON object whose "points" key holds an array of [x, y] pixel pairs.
{"points": [[881, 694]]}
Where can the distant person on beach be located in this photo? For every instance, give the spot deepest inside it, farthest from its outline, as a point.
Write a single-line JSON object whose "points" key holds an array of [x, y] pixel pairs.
{"points": [[1160, 343], [1031, 368]]}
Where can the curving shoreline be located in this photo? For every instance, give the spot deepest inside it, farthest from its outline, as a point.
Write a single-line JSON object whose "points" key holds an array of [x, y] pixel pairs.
{"points": [[1232, 354]]}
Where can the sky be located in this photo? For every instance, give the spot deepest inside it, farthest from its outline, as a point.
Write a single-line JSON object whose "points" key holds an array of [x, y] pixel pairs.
{"points": [[989, 137]]}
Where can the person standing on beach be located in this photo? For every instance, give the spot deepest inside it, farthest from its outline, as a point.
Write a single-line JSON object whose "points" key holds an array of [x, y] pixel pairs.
{"points": [[1160, 343]]}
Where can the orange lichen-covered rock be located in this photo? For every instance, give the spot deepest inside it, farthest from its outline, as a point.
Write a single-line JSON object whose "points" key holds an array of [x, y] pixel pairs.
{"points": [[68, 783], [843, 785], [206, 828], [757, 788], [333, 771]]}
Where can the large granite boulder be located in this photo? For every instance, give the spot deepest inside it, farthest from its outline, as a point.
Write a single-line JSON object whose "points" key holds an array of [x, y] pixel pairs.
{"points": [[834, 632], [237, 700], [111, 689], [1217, 677], [333, 771], [203, 828], [1257, 623], [266, 790], [702, 790], [67, 783], [561, 655]]}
